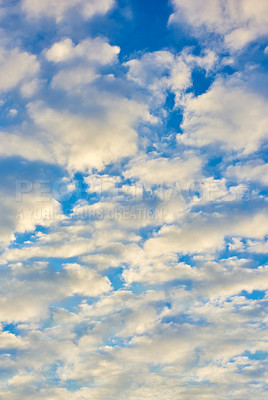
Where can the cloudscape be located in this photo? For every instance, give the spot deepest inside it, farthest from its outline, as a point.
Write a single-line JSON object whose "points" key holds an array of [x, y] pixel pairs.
{"points": [[134, 192]]}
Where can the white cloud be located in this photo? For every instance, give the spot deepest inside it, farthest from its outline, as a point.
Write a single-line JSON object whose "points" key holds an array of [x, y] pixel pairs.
{"points": [[165, 171], [80, 64], [58, 9], [95, 51], [239, 22], [150, 67], [80, 142], [155, 271], [74, 79], [22, 215], [160, 71], [207, 60], [85, 282], [17, 68], [229, 115], [105, 241], [172, 326], [21, 145], [255, 171], [20, 302], [205, 234], [10, 341], [101, 183], [228, 280], [256, 246]]}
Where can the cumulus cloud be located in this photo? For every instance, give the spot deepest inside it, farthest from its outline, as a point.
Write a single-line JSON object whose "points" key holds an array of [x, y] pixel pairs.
{"points": [[19, 215], [166, 171], [105, 241], [150, 280], [80, 142], [22, 145], [74, 79], [96, 51], [229, 115], [238, 22], [206, 234], [17, 69], [255, 246], [57, 10], [255, 171], [160, 71], [80, 64], [24, 303], [101, 183]]}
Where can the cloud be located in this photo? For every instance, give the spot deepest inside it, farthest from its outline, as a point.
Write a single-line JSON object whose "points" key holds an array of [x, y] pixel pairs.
{"points": [[229, 115], [17, 69], [238, 23], [102, 183], [58, 10], [10, 341], [22, 145], [25, 213], [20, 302], [77, 142], [105, 241], [155, 271], [165, 171], [159, 72], [150, 281], [82, 143], [255, 171], [80, 65], [73, 79], [95, 51], [205, 234], [255, 246]]}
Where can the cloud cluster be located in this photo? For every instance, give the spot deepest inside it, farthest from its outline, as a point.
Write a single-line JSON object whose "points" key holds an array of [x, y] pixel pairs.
{"points": [[239, 23], [81, 62], [144, 276], [229, 115], [78, 142], [20, 303], [59, 9], [18, 69]]}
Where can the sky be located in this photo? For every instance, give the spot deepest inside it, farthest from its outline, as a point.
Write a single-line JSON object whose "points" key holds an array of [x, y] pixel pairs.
{"points": [[134, 189]]}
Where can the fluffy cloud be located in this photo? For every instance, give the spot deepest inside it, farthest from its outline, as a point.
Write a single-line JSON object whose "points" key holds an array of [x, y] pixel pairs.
{"points": [[101, 183], [57, 10], [255, 171], [82, 143], [251, 246], [20, 302], [166, 171], [69, 239], [160, 71], [78, 142], [96, 51], [238, 22], [17, 68], [205, 234], [108, 301], [229, 114], [80, 64], [73, 79], [22, 145], [23, 214]]}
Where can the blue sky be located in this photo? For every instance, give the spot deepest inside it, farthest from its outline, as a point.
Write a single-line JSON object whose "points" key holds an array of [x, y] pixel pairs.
{"points": [[134, 178]]}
